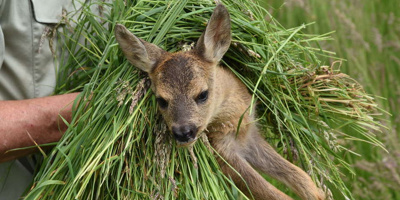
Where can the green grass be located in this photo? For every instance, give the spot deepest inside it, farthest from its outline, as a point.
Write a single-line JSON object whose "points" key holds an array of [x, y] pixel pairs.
{"points": [[367, 36], [117, 146]]}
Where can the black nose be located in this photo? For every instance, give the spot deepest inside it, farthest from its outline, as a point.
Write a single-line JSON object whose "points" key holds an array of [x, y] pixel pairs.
{"points": [[184, 133]]}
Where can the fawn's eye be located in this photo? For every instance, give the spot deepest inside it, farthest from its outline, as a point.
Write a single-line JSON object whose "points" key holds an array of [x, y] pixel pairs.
{"points": [[202, 97], [162, 102]]}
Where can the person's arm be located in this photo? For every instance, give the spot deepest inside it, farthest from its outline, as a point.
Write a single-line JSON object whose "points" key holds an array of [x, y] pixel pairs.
{"points": [[24, 122]]}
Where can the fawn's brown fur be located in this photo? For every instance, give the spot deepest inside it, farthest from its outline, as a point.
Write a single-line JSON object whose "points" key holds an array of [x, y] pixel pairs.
{"points": [[196, 95]]}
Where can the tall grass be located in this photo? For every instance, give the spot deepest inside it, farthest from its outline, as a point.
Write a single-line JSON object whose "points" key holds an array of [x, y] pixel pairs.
{"points": [[117, 146], [368, 37]]}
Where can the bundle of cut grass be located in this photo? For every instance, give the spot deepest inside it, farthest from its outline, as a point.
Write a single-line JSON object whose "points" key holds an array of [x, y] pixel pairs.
{"points": [[117, 146]]}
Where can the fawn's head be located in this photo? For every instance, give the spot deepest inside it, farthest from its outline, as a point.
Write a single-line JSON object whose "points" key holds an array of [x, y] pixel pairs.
{"points": [[183, 82]]}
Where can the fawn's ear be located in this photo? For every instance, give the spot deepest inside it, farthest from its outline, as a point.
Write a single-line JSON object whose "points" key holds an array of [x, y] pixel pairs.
{"points": [[140, 53], [216, 39]]}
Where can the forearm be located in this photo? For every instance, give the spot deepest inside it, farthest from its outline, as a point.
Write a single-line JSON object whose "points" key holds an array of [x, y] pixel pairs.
{"points": [[26, 122]]}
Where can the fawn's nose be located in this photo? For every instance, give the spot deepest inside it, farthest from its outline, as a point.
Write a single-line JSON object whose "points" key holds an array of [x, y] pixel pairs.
{"points": [[184, 133]]}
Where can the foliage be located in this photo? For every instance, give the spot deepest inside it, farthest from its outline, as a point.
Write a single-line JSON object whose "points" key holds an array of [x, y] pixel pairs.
{"points": [[117, 147]]}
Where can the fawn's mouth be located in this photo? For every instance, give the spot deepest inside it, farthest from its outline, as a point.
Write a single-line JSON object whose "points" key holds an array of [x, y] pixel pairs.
{"points": [[186, 142], [191, 141]]}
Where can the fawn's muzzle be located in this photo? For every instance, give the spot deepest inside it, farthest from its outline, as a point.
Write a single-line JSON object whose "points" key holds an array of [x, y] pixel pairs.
{"points": [[184, 133]]}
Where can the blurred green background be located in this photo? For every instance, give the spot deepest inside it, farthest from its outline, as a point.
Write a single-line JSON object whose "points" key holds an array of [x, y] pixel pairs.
{"points": [[367, 36]]}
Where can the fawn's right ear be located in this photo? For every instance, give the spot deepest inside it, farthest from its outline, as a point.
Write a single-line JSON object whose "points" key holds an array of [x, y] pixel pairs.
{"points": [[139, 53]]}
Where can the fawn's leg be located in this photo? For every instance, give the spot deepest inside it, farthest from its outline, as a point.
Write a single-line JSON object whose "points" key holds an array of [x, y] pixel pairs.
{"points": [[259, 187], [264, 158]]}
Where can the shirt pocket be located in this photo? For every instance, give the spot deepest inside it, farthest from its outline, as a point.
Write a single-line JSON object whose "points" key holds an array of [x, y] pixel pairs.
{"points": [[51, 11]]}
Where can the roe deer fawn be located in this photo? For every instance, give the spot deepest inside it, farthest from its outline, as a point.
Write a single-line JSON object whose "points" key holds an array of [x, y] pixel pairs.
{"points": [[195, 95]]}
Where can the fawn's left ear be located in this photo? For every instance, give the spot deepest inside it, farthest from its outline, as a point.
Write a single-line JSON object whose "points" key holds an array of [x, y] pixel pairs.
{"points": [[215, 41]]}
